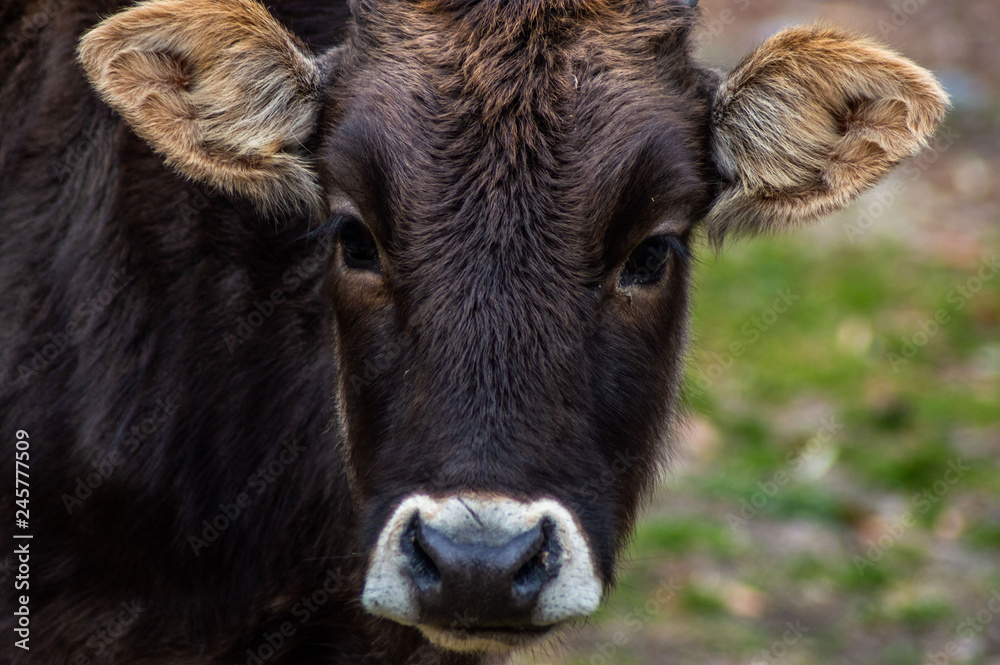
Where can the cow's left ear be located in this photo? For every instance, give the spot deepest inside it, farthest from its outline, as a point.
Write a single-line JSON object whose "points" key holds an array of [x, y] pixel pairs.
{"points": [[809, 121], [219, 88]]}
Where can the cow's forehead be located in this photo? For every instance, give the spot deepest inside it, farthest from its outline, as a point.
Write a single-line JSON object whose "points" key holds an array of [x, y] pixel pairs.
{"points": [[510, 117]]}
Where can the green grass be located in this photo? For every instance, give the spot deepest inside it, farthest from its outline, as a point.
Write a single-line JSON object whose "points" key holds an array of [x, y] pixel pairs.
{"points": [[685, 536]]}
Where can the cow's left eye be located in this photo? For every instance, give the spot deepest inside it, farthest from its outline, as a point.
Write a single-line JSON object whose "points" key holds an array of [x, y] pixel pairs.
{"points": [[360, 250], [648, 262]]}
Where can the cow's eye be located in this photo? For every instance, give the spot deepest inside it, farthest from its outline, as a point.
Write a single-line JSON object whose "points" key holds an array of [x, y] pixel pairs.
{"points": [[648, 262], [360, 250]]}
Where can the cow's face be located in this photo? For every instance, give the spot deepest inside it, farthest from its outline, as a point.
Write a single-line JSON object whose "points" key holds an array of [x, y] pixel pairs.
{"points": [[510, 298], [513, 187]]}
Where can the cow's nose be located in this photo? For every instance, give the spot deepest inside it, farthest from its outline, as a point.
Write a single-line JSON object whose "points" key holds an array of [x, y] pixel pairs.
{"points": [[471, 578], [481, 573]]}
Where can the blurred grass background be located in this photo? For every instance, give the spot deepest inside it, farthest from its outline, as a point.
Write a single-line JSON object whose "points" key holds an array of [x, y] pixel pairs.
{"points": [[836, 498]]}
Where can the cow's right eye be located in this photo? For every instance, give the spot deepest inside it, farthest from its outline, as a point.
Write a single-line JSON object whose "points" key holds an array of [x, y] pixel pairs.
{"points": [[360, 250]]}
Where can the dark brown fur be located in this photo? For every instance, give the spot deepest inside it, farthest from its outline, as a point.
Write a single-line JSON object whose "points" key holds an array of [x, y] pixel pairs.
{"points": [[506, 156]]}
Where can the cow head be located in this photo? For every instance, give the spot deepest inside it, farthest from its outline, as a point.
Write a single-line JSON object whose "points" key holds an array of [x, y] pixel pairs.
{"points": [[514, 187]]}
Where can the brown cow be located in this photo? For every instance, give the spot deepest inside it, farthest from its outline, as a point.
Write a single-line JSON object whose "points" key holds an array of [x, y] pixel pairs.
{"points": [[335, 389]]}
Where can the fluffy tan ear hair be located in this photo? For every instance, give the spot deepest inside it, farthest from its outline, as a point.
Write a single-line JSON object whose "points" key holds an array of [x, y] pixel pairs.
{"points": [[809, 121], [218, 87]]}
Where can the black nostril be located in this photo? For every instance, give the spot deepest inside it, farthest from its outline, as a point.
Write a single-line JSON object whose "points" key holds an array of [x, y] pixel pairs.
{"points": [[484, 577], [423, 571], [542, 565]]}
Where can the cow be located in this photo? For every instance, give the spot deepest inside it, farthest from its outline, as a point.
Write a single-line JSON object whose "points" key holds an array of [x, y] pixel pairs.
{"points": [[320, 319]]}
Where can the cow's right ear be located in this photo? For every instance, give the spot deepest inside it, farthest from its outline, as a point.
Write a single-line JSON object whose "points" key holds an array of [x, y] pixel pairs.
{"points": [[219, 88], [810, 120]]}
